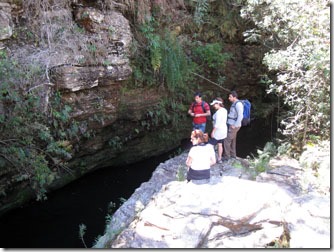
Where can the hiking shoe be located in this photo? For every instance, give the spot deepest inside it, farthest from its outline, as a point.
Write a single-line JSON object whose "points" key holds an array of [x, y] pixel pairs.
{"points": [[224, 159], [219, 161]]}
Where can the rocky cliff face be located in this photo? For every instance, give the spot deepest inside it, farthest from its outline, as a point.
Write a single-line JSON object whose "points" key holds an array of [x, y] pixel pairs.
{"points": [[87, 53]]}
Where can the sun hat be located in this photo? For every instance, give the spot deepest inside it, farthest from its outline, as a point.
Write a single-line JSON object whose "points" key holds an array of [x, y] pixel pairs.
{"points": [[215, 101]]}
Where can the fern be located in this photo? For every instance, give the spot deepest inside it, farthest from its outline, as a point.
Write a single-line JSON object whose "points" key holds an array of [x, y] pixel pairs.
{"points": [[201, 11], [165, 64], [154, 44], [155, 53], [175, 67]]}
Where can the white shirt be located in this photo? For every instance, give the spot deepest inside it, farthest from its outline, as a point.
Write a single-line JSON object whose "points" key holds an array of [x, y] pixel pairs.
{"points": [[219, 122], [201, 156]]}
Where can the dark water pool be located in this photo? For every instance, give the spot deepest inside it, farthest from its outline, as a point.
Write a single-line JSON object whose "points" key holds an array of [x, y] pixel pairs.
{"points": [[55, 223]]}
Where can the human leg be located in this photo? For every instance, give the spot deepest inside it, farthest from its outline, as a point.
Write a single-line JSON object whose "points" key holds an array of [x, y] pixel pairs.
{"points": [[233, 150], [229, 142], [200, 126], [195, 126], [219, 149], [227, 145]]}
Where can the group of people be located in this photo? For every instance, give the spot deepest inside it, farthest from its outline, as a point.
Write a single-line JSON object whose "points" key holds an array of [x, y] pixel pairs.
{"points": [[224, 134]]}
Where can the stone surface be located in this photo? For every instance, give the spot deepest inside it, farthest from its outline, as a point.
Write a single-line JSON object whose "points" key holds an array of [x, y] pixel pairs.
{"points": [[232, 211], [6, 23]]}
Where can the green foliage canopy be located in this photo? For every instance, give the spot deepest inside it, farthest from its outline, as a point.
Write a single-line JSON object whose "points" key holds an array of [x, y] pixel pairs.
{"points": [[299, 34]]}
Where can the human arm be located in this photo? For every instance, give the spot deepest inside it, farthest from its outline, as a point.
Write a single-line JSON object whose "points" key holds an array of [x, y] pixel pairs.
{"points": [[213, 132], [212, 161], [189, 161], [189, 158], [190, 112], [207, 113], [212, 157], [213, 125]]}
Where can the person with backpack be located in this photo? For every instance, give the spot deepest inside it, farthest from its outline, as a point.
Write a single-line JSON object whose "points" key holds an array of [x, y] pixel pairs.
{"points": [[219, 122], [199, 110], [234, 119]]}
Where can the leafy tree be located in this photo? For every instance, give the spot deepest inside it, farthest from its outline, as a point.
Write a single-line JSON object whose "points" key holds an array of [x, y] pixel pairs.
{"points": [[298, 33], [32, 146]]}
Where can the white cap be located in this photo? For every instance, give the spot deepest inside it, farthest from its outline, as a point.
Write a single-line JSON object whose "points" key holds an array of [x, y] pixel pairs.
{"points": [[215, 101]]}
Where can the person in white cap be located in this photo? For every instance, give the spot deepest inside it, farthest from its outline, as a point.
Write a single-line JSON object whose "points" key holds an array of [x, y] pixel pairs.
{"points": [[219, 131]]}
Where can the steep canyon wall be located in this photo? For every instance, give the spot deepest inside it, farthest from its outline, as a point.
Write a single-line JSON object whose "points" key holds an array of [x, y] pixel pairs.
{"points": [[87, 52]]}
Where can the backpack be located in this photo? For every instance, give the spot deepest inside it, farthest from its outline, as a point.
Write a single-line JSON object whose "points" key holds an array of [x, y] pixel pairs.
{"points": [[247, 110], [203, 108]]}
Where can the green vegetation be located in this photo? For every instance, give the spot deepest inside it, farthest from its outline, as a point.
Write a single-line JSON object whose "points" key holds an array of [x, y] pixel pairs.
{"points": [[163, 65], [211, 56], [201, 12], [299, 34], [34, 145], [153, 43], [181, 174], [116, 143], [175, 66], [260, 163], [167, 60], [82, 231]]}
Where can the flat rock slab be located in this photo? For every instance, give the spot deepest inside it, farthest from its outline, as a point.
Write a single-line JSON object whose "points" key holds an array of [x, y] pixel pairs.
{"points": [[233, 210]]}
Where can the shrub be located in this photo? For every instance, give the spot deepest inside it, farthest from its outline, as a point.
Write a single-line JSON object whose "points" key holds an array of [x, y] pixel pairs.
{"points": [[32, 146], [260, 164], [211, 55]]}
